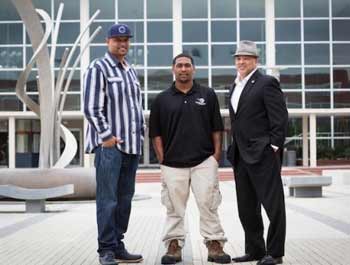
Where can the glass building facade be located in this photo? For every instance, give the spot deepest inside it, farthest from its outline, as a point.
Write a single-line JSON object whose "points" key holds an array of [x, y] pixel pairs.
{"points": [[307, 41]]}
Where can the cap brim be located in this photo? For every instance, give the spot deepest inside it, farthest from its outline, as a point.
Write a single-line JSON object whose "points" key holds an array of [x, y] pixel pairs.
{"points": [[119, 35]]}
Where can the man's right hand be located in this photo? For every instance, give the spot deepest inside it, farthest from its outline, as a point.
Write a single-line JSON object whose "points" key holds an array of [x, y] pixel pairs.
{"points": [[111, 142]]}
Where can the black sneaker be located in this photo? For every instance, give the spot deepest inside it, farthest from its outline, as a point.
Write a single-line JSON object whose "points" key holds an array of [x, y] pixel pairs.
{"points": [[123, 256], [107, 259]]}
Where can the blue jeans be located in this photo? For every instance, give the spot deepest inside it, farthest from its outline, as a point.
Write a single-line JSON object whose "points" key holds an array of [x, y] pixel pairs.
{"points": [[115, 187]]}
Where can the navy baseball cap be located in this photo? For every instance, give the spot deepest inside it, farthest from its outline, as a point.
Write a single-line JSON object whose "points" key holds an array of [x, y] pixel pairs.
{"points": [[119, 30]]}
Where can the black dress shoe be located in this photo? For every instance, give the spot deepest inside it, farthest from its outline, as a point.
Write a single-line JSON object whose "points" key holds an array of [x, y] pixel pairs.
{"points": [[246, 258], [124, 256], [268, 260]]}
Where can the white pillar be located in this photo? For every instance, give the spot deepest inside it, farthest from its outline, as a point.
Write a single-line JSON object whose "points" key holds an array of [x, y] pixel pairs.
{"points": [[12, 142], [177, 27], [313, 143], [270, 36], [305, 142]]}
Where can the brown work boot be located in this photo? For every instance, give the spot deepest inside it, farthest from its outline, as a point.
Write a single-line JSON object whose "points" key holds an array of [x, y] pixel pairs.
{"points": [[173, 254], [216, 253]]}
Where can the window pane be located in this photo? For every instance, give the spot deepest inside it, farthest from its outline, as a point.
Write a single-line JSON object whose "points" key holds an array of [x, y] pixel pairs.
{"points": [[342, 126], [10, 103], [288, 54], [201, 76], [106, 6], [341, 77], [59, 54], [71, 9], [252, 8], [8, 11], [4, 152], [287, 8], [141, 77], [160, 31], [102, 35], [223, 54], [32, 83], [340, 8], [8, 80], [341, 53], [288, 30], [290, 78], [11, 34], [223, 8], [341, 30], [316, 8], [317, 78], [198, 52], [137, 31], [97, 51], [159, 79], [131, 9], [293, 100], [316, 30], [43, 4], [317, 54], [342, 100], [154, 58], [317, 100], [159, 8], [68, 32], [195, 31], [262, 54], [72, 102], [195, 9], [136, 55], [223, 31], [222, 78], [323, 125], [252, 30], [11, 57]]}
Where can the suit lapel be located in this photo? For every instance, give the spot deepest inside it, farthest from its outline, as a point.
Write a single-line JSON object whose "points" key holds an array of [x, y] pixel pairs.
{"points": [[251, 82]]}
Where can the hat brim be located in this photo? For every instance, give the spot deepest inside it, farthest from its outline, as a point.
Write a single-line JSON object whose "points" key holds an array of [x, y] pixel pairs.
{"points": [[120, 35], [246, 54]]}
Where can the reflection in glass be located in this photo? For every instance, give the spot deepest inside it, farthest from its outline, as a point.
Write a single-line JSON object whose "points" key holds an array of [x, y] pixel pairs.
{"points": [[293, 100], [4, 154], [323, 125], [201, 76], [141, 77], [107, 9], [342, 149], [160, 55], [160, 31], [294, 127], [11, 57], [290, 78], [223, 98], [252, 30], [72, 102], [342, 99], [288, 54], [340, 8], [195, 9], [222, 79], [341, 30], [316, 30], [252, 8], [11, 33], [71, 9], [288, 30], [341, 126], [316, 53], [223, 8], [222, 54], [159, 8], [341, 53], [32, 83], [287, 8], [262, 55], [316, 8], [159, 79], [198, 52], [59, 54], [10, 103], [8, 11], [317, 78], [8, 80], [68, 32], [223, 31], [317, 100], [341, 77], [195, 31], [97, 51], [131, 9], [136, 55]]}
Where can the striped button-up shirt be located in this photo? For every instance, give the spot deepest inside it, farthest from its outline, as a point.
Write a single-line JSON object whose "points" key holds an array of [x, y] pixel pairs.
{"points": [[113, 105]]}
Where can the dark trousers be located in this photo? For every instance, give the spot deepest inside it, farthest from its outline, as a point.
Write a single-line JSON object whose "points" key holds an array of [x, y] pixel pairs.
{"points": [[260, 184], [115, 187]]}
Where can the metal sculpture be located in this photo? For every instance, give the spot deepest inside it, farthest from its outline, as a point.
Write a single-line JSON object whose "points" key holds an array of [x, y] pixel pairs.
{"points": [[51, 96]]}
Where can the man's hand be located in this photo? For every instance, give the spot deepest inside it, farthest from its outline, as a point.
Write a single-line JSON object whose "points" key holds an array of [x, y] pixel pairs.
{"points": [[217, 156], [112, 142]]}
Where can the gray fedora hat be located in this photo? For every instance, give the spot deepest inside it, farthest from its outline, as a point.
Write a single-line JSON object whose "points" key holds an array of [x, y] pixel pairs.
{"points": [[247, 47]]}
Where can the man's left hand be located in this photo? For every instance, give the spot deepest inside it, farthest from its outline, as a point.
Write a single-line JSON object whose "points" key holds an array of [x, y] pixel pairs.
{"points": [[217, 156]]}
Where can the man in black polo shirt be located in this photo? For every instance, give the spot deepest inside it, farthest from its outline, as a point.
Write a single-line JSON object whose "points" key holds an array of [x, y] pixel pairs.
{"points": [[186, 128]]}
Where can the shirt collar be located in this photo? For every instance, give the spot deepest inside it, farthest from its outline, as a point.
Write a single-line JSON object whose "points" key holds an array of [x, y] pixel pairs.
{"points": [[244, 80], [114, 60], [193, 89]]}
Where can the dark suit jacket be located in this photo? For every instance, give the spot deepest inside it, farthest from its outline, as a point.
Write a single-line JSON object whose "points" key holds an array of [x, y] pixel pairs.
{"points": [[261, 118]]}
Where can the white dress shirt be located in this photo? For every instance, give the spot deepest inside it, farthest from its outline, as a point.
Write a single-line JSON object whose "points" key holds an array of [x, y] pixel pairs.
{"points": [[240, 84]]}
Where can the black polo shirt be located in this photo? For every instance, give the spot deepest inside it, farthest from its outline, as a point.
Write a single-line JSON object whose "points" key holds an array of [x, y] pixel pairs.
{"points": [[186, 123]]}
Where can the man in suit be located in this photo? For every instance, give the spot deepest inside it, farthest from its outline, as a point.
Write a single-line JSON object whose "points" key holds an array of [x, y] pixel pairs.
{"points": [[259, 120]]}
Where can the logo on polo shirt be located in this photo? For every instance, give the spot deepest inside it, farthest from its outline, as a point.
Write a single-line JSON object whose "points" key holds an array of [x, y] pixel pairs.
{"points": [[200, 101]]}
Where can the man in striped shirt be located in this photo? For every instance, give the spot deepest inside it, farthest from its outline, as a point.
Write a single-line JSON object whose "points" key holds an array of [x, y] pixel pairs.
{"points": [[113, 108]]}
